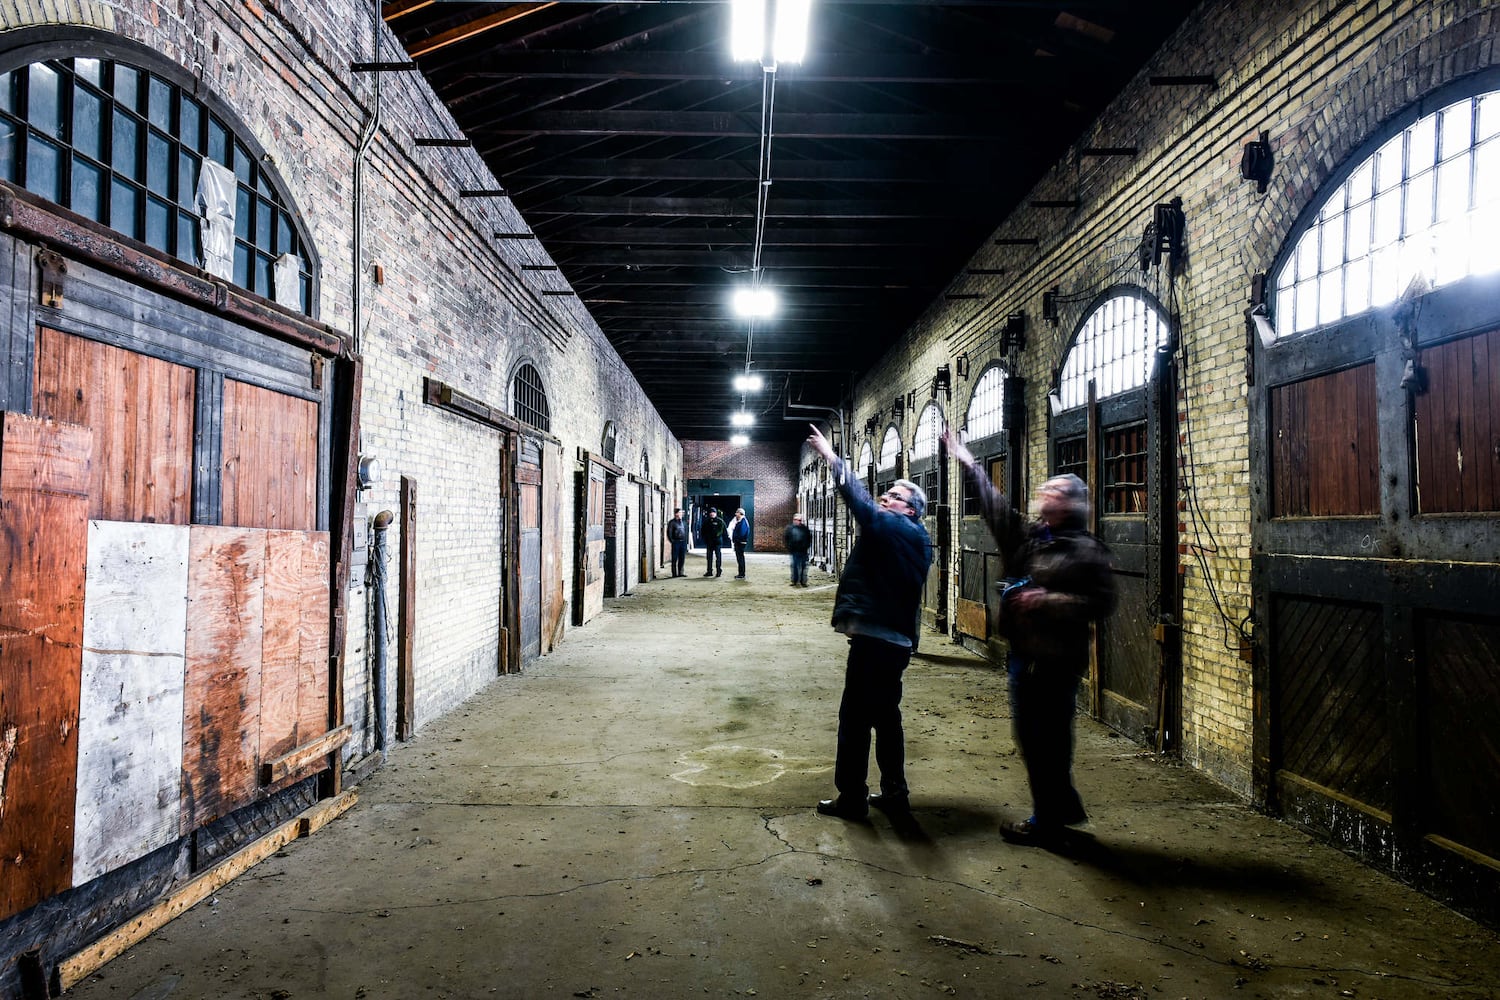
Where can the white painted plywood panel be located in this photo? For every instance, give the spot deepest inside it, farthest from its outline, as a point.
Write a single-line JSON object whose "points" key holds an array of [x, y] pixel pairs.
{"points": [[131, 697]]}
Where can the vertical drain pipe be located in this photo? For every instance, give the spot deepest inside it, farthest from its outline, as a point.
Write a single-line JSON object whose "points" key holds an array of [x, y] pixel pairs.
{"points": [[379, 642]]}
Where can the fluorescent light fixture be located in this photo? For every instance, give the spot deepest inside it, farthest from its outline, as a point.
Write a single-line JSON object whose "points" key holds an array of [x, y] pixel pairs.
{"points": [[740, 440], [742, 419], [748, 383], [754, 303], [790, 40], [747, 31]]}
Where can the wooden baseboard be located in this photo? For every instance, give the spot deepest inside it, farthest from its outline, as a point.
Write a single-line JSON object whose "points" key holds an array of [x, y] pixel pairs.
{"points": [[82, 964]]}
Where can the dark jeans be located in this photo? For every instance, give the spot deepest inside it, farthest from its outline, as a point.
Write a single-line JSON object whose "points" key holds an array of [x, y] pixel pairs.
{"points": [[715, 560], [872, 701], [739, 556], [679, 556], [799, 567], [1041, 708]]}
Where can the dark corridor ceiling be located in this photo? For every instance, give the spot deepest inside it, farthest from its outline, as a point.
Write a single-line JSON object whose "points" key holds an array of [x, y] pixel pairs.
{"points": [[630, 142]]}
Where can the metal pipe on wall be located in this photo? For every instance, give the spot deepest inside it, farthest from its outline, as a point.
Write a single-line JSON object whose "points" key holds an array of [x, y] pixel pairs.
{"points": [[380, 637]]}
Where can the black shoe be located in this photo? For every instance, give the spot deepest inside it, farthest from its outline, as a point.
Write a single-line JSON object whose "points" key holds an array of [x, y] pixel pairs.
{"points": [[739, 576], [833, 807], [890, 804], [719, 573], [1029, 831]]}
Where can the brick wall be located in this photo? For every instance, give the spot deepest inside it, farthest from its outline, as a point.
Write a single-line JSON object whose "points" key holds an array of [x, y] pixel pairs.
{"points": [[454, 304], [773, 467], [1321, 78]]}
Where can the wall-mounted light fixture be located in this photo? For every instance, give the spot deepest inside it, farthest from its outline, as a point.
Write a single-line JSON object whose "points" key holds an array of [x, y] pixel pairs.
{"points": [[1256, 162], [740, 418], [1163, 236], [1049, 305], [1259, 319], [897, 406], [1054, 401], [943, 381], [748, 382], [1013, 333], [782, 23], [739, 440], [962, 365], [911, 400]]}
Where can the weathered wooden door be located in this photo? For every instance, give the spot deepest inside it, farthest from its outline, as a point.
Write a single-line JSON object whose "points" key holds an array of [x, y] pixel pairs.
{"points": [[590, 543], [529, 555]]}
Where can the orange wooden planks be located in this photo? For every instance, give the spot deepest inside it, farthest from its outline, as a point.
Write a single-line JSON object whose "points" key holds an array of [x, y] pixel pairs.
{"points": [[294, 677], [141, 413], [221, 692], [44, 515], [270, 458]]}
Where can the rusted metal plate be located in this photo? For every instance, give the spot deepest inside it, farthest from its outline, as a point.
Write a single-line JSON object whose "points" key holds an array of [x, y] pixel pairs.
{"points": [[44, 510], [141, 413], [270, 459], [130, 699], [221, 690]]}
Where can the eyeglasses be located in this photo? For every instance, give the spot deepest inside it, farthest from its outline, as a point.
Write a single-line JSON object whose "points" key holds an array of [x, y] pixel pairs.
{"points": [[893, 495]]}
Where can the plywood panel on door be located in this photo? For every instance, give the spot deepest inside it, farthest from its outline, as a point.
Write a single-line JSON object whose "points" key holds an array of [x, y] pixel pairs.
{"points": [[270, 459], [44, 472], [294, 674], [221, 695], [131, 694], [141, 412]]}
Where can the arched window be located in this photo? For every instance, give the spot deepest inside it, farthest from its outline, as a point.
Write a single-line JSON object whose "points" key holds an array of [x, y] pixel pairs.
{"points": [[607, 442], [866, 456], [1115, 349], [645, 466], [127, 148], [528, 401], [929, 427], [986, 406], [890, 450], [1426, 203]]}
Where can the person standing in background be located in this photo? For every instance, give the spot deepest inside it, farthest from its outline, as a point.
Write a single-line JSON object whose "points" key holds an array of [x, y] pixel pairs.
{"points": [[739, 537], [677, 537], [712, 530], [798, 540]]}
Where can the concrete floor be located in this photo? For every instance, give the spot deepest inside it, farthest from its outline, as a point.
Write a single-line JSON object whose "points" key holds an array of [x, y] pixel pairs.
{"points": [[633, 817]]}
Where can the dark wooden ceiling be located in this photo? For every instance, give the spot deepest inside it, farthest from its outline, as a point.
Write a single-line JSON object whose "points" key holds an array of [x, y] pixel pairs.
{"points": [[631, 144]]}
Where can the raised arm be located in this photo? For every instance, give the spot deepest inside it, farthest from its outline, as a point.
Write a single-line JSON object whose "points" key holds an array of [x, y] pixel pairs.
{"points": [[1005, 523]]}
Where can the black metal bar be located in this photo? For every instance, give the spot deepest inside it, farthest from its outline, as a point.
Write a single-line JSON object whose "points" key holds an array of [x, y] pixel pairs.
{"points": [[444, 143], [515, 236], [483, 193], [382, 67]]}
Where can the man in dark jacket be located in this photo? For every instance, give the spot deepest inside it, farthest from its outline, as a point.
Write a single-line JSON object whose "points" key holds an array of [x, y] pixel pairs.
{"points": [[677, 536], [797, 540], [711, 529], [1059, 581], [876, 606]]}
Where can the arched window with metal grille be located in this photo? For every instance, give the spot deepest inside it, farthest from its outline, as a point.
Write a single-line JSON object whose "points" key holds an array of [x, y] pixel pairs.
{"points": [[890, 450], [929, 427], [528, 402], [985, 417], [1114, 348]]}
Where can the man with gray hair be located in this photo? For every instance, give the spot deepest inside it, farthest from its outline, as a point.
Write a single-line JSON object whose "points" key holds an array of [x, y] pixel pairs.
{"points": [[1058, 581], [876, 606]]}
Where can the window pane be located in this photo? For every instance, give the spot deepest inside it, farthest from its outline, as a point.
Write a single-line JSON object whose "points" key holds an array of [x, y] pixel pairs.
{"points": [[124, 202], [218, 141], [1458, 128], [187, 238], [44, 104], [1362, 183], [44, 168], [1383, 279], [160, 107], [1331, 297], [10, 139], [1421, 151], [241, 265], [1357, 286], [1333, 245], [88, 112], [187, 178], [242, 214], [126, 136], [1418, 204], [1387, 217], [1388, 165], [1453, 188], [159, 218], [10, 91], [1489, 117], [158, 163], [262, 284], [91, 70], [1307, 305], [263, 220], [127, 86], [190, 124], [285, 242], [1360, 219], [88, 189], [243, 165], [1307, 255], [1487, 172]]}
